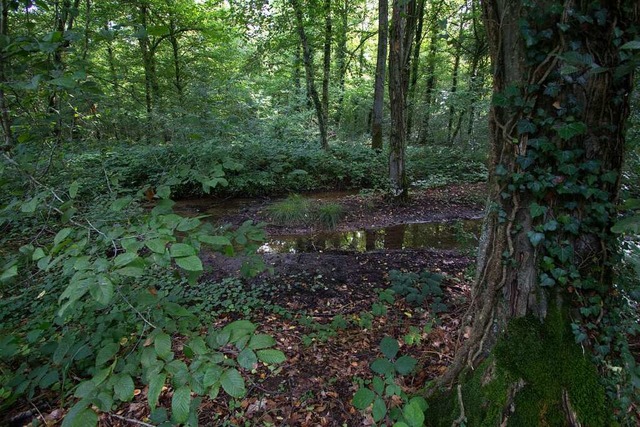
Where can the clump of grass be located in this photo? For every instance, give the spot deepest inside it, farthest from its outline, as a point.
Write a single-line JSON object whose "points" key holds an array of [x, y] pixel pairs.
{"points": [[294, 210], [329, 214]]}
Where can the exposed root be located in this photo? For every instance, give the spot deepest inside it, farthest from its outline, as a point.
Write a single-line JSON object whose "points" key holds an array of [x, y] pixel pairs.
{"points": [[462, 418]]}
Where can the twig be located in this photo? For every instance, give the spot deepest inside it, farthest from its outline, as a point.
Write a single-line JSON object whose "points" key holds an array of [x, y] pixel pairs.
{"points": [[144, 319], [462, 418], [38, 411], [130, 420]]}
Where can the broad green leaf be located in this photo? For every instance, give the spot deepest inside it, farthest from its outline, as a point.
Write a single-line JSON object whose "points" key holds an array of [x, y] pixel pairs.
{"points": [[158, 246], [102, 290], [363, 398], [239, 328], [382, 367], [9, 273], [106, 353], [260, 341], [629, 225], [37, 254], [271, 356], [181, 250], [247, 359], [379, 409], [389, 347], [30, 206], [119, 204], [537, 210], [180, 403], [84, 418], [569, 130], [130, 271], [123, 387], [405, 364], [215, 240], [633, 44], [378, 385], [164, 192], [188, 224], [400, 424], [232, 383], [413, 414], [124, 259], [162, 344], [62, 234], [211, 376], [535, 238], [190, 263], [155, 388]]}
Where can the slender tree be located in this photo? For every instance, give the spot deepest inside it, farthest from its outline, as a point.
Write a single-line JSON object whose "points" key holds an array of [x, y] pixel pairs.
{"points": [[381, 62], [562, 75]]}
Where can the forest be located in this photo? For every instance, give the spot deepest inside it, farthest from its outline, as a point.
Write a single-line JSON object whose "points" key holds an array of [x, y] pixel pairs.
{"points": [[319, 213]]}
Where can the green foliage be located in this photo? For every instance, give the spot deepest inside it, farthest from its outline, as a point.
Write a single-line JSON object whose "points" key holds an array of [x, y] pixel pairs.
{"points": [[329, 214], [294, 210], [383, 389], [416, 288]]}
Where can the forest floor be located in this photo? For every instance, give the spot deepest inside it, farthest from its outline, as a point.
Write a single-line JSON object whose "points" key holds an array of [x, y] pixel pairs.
{"points": [[325, 296]]}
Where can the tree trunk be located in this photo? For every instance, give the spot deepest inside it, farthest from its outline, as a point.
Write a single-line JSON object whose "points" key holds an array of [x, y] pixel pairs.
{"points": [[415, 65], [381, 62], [341, 55], [309, 73], [175, 49], [5, 118], [454, 87], [399, 42], [561, 87], [326, 61], [425, 134]]}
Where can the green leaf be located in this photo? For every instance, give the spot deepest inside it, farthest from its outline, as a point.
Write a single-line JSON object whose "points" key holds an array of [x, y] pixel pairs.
{"points": [[215, 240], [537, 210], [247, 359], [102, 290], [389, 347], [378, 385], [73, 189], [363, 398], [232, 383], [569, 130], [190, 263], [188, 224], [62, 234], [382, 367], [106, 353], [535, 238], [181, 250], [119, 204], [211, 376], [158, 246], [155, 388], [83, 418], [260, 341], [123, 387], [413, 414], [633, 44], [379, 409], [238, 329], [271, 356], [180, 403], [405, 364], [124, 259], [162, 344], [37, 254], [9, 273], [630, 225]]}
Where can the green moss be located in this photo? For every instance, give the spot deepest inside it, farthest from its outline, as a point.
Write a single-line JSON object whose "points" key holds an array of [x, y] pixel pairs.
{"points": [[548, 361]]}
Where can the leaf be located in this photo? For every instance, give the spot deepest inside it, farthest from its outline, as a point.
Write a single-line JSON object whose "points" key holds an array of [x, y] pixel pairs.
{"points": [[260, 341], [389, 347], [238, 329], [630, 225], [382, 367], [155, 388], [181, 250], [633, 44], [62, 234], [190, 263], [73, 189], [180, 403], [106, 353], [101, 290], [379, 409], [162, 344], [211, 376], [405, 364], [85, 417], [119, 204], [537, 210], [124, 259], [271, 356], [123, 387], [215, 240], [188, 224], [158, 246], [247, 359], [569, 130], [363, 398], [413, 414], [232, 383], [9, 273], [535, 238]]}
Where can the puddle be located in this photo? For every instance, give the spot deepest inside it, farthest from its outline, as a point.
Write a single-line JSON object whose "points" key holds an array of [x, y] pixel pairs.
{"points": [[459, 235]]}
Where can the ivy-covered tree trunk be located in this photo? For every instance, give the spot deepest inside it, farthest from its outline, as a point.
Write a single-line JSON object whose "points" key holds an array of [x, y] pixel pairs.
{"points": [[5, 118], [562, 76]]}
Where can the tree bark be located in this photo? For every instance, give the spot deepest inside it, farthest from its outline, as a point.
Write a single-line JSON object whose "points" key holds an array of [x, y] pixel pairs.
{"points": [[415, 63], [454, 87], [399, 53], [425, 134], [326, 61], [557, 140], [309, 73], [5, 117], [381, 62]]}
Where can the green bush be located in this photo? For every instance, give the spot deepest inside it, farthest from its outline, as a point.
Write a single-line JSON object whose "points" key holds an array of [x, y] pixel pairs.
{"points": [[329, 214]]}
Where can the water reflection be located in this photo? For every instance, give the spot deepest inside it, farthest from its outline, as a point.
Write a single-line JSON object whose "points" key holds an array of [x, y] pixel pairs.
{"points": [[446, 235]]}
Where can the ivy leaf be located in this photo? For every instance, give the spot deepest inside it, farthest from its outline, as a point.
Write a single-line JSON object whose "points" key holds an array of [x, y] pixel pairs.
{"points": [[535, 238], [155, 388], [389, 347], [537, 210], [363, 398], [232, 383], [180, 403], [190, 263], [633, 45], [569, 130]]}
